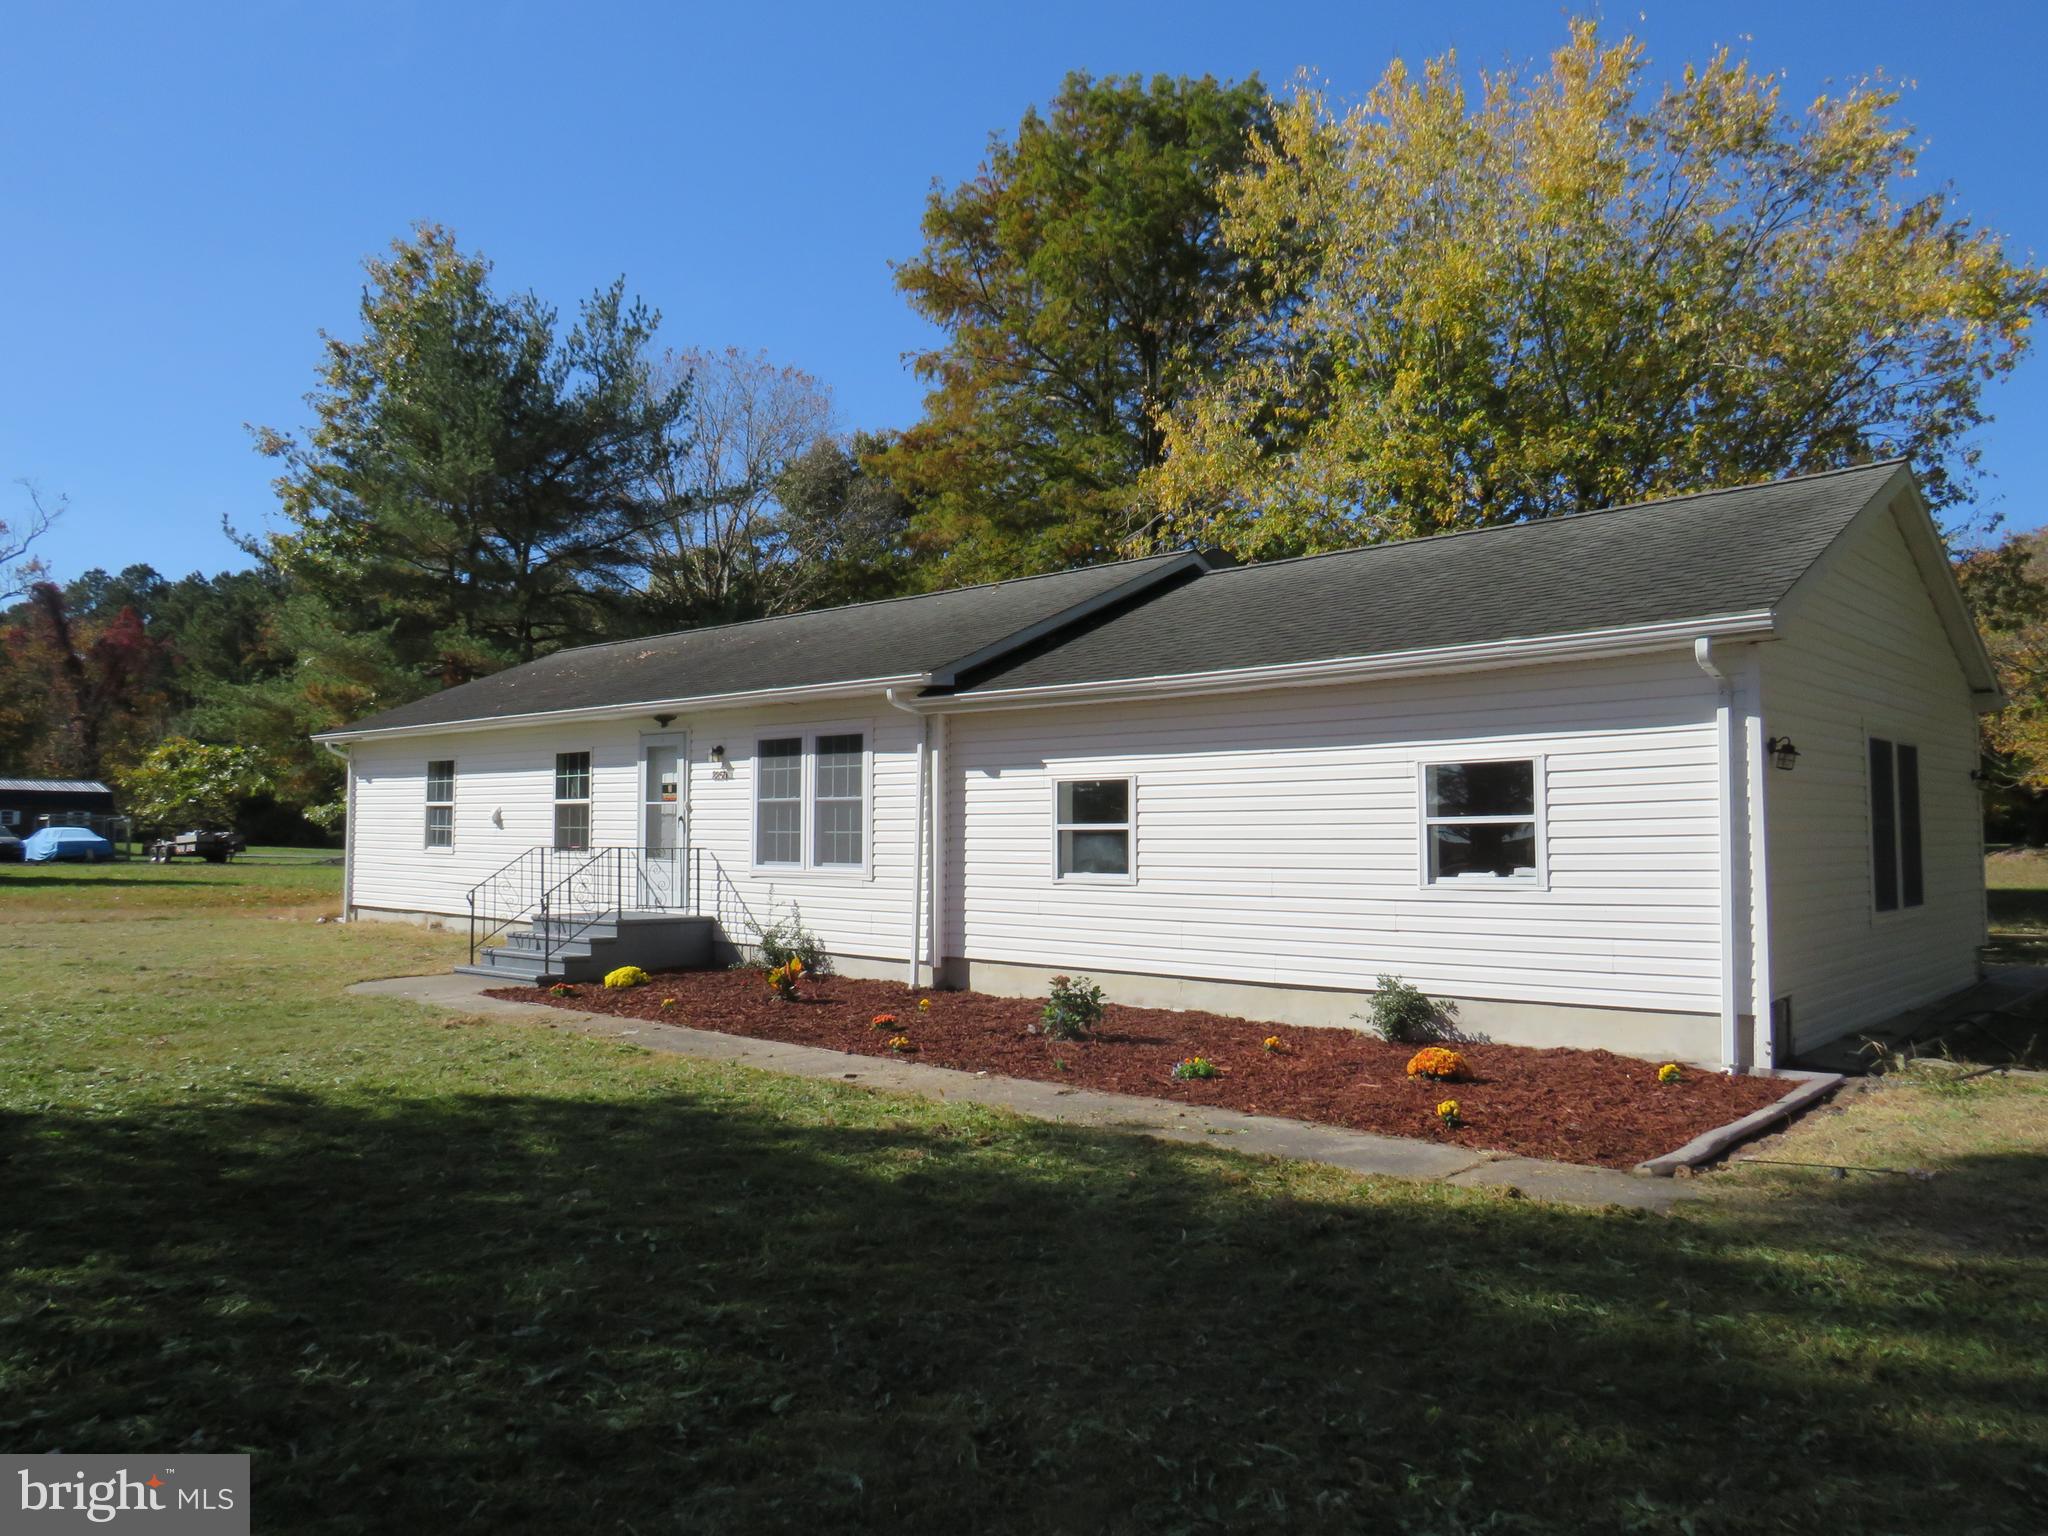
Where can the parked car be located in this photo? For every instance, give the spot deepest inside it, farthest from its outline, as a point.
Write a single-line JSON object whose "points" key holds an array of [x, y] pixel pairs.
{"points": [[67, 843], [10, 848]]}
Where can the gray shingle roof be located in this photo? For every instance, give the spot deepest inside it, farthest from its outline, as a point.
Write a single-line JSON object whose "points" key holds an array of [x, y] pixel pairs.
{"points": [[53, 787], [905, 637], [1709, 555], [1713, 554]]}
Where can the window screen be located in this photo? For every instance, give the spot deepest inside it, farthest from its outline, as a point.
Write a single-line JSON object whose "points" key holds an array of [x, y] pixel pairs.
{"points": [[1896, 877], [779, 801], [441, 803], [839, 799], [572, 799], [1092, 827], [1479, 821]]}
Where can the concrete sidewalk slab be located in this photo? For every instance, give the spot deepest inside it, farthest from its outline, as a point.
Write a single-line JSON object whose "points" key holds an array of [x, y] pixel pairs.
{"points": [[1359, 1152]]}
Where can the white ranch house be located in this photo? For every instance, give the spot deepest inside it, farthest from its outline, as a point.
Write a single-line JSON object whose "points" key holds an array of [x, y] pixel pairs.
{"points": [[1539, 770]]}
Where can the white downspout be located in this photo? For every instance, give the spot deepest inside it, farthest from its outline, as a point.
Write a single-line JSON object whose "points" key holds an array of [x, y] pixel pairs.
{"points": [[348, 833], [917, 865], [1703, 654], [935, 904], [1762, 1004]]}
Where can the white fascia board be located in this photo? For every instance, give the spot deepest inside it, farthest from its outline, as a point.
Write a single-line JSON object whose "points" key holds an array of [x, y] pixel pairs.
{"points": [[804, 694], [1450, 658]]}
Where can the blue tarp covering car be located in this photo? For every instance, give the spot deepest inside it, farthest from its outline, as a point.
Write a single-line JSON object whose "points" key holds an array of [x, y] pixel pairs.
{"points": [[66, 843]]}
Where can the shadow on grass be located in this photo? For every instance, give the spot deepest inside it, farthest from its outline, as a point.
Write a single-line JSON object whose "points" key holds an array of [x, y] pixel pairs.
{"points": [[545, 1314], [35, 880]]}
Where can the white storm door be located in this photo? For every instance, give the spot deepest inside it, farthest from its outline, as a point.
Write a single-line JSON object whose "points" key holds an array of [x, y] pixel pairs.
{"points": [[664, 836]]}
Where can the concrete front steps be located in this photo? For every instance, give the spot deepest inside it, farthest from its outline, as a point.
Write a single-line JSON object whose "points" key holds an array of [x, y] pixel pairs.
{"points": [[588, 945]]}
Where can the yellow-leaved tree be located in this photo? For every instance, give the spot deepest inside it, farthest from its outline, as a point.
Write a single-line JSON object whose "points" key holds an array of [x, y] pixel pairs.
{"points": [[1564, 289]]}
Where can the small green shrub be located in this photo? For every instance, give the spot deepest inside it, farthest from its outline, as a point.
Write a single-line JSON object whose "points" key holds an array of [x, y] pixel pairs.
{"points": [[1404, 1015], [790, 940], [1194, 1068], [1074, 1008]]}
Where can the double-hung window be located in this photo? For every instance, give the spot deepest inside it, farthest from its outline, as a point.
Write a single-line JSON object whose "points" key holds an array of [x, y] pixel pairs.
{"points": [[441, 803], [839, 801], [1482, 822], [1091, 821], [779, 801], [811, 801], [1897, 879], [572, 799]]}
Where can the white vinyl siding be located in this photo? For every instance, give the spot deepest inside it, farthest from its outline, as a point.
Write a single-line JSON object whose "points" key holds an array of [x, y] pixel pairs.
{"points": [[1277, 837], [508, 806], [1865, 655]]}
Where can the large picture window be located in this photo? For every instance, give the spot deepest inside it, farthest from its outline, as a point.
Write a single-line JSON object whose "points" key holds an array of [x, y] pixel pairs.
{"points": [[1482, 823], [572, 799], [441, 803], [1897, 879], [1092, 829], [811, 801]]}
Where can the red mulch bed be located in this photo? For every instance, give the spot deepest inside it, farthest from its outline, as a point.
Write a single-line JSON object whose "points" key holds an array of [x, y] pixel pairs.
{"points": [[1574, 1106]]}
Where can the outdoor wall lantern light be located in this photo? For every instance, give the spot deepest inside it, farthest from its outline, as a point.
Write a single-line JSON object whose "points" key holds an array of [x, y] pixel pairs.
{"points": [[718, 755], [1783, 753]]}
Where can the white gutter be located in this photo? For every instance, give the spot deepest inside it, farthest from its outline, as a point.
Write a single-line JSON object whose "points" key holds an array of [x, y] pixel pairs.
{"points": [[917, 874], [802, 694], [1449, 658], [1724, 776], [348, 830]]}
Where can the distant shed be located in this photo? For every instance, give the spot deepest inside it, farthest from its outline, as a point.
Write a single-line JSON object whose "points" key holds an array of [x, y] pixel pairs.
{"points": [[24, 803]]}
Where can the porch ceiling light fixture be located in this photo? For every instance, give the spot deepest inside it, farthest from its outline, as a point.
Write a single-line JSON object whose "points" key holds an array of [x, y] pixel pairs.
{"points": [[1783, 753], [663, 720]]}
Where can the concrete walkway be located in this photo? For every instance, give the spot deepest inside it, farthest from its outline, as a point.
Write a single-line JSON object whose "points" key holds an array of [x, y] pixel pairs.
{"points": [[1264, 1135]]}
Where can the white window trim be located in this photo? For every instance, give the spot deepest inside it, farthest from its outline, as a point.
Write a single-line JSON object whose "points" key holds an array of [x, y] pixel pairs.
{"points": [[588, 802], [439, 850], [807, 817], [1128, 826], [1506, 886]]}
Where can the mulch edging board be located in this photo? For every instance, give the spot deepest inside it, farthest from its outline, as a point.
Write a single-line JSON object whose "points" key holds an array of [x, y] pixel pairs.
{"points": [[1591, 1107]]}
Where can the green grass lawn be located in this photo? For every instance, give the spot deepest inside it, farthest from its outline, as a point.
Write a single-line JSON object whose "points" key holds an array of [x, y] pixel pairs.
{"points": [[441, 1274]]}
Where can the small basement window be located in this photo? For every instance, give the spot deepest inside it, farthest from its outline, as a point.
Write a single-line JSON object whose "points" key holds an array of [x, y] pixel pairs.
{"points": [[1481, 822], [572, 799], [1897, 879], [441, 803], [1092, 828]]}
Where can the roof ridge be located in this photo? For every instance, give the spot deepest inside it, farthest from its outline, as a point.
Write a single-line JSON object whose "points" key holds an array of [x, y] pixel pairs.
{"points": [[1565, 517], [872, 602]]}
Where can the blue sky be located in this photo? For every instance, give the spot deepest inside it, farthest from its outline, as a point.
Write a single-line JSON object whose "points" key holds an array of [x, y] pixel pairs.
{"points": [[186, 192]]}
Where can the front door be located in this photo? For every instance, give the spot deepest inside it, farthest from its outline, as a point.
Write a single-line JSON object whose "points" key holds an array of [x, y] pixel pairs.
{"points": [[664, 770]]}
